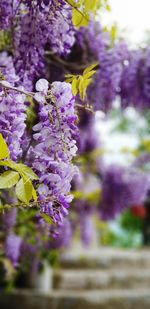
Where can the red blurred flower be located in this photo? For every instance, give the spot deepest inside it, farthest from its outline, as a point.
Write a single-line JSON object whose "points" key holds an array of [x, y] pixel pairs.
{"points": [[138, 211]]}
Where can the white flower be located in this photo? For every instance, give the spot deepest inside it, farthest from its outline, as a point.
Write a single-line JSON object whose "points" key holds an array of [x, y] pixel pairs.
{"points": [[42, 85]]}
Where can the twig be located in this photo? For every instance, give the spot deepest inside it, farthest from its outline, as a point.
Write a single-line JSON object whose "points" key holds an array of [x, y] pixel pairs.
{"points": [[80, 12], [61, 62], [85, 107], [16, 89]]}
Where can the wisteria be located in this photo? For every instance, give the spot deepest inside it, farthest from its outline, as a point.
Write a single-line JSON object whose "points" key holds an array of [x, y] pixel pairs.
{"points": [[12, 247], [57, 67], [134, 84], [52, 155], [121, 189], [12, 110]]}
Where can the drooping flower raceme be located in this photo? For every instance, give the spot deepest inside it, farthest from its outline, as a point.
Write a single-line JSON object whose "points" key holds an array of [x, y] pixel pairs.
{"points": [[9, 218], [7, 9], [135, 80], [61, 33], [13, 247], [55, 147], [43, 22], [121, 189], [12, 109]]}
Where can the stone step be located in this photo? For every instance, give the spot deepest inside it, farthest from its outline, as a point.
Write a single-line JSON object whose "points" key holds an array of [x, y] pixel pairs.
{"points": [[106, 258], [108, 299], [95, 279]]}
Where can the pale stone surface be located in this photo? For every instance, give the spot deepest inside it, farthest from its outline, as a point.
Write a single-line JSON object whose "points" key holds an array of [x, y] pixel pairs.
{"points": [[116, 299], [105, 258], [95, 279], [92, 279]]}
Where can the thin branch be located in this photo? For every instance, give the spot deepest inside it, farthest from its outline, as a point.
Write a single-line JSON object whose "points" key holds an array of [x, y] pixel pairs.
{"points": [[80, 12], [7, 206], [9, 87], [61, 62], [84, 107]]}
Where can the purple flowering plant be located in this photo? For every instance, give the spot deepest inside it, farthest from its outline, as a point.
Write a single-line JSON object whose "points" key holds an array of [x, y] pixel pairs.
{"points": [[57, 66]]}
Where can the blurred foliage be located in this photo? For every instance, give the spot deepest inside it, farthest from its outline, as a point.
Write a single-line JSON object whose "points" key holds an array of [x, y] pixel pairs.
{"points": [[5, 40], [125, 232]]}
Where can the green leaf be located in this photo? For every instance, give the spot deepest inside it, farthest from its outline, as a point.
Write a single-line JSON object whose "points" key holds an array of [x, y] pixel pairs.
{"points": [[90, 68], [81, 87], [74, 86], [4, 153], [91, 5], [89, 74], [81, 82], [78, 195], [8, 163], [113, 32], [34, 195], [86, 83], [46, 218], [8, 179], [24, 190], [21, 168], [79, 19], [69, 76]]}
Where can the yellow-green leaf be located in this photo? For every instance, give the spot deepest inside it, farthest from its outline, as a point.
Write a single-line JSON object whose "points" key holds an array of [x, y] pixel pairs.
{"points": [[74, 86], [86, 83], [91, 5], [4, 153], [81, 87], [89, 74], [78, 18], [8, 163], [8, 179], [46, 218], [69, 76], [24, 190], [113, 32], [34, 195], [90, 68], [27, 171], [21, 168]]}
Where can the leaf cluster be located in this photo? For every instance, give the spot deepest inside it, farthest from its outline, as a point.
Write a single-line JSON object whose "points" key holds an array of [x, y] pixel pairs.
{"points": [[80, 83], [83, 9], [18, 175]]}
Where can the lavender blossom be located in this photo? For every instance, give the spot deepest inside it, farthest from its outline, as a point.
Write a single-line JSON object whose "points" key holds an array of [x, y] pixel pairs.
{"points": [[9, 218], [135, 80], [29, 47], [121, 189], [12, 248], [55, 147], [61, 33], [12, 111], [105, 86]]}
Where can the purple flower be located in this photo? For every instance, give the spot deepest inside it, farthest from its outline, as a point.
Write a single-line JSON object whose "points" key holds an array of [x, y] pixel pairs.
{"points": [[121, 189], [12, 111], [8, 9], [55, 147], [86, 228], [61, 34], [135, 80], [30, 41], [9, 218], [12, 248]]}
